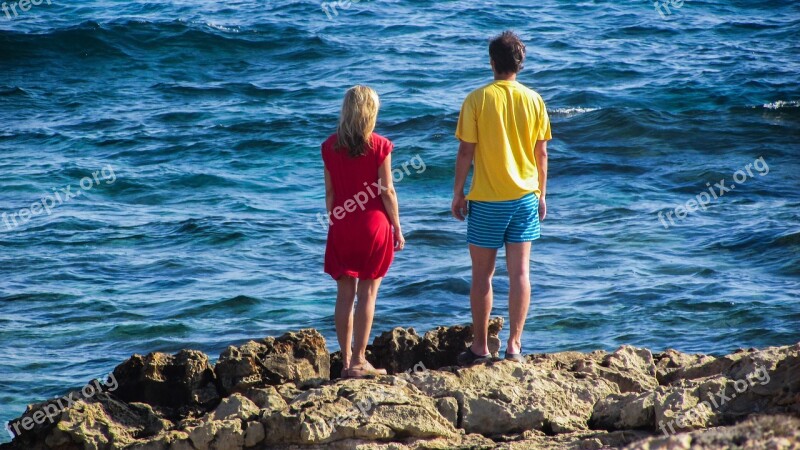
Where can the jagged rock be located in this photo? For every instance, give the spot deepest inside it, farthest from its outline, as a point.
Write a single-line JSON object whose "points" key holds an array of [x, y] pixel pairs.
{"points": [[217, 435], [684, 408], [770, 432], [448, 408], [564, 360], [254, 434], [98, 422], [39, 418], [672, 364], [763, 381], [553, 401], [507, 397], [236, 406], [178, 440], [624, 412], [268, 398], [183, 380], [440, 347], [578, 440], [357, 409], [294, 357], [288, 391], [396, 350], [632, 369], [402, 349]]}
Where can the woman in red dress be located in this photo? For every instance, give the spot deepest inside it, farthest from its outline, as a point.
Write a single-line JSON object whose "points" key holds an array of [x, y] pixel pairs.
{"points": [[364, 222]]}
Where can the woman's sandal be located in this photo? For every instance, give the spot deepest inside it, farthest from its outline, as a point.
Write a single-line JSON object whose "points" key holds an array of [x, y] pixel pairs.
{"points": [[364, 370]]}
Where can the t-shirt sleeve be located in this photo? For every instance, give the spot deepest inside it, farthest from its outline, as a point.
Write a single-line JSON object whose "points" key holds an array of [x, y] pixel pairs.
{"points": [[324, 156], [467, 129], [386, 147], [543, 133]]}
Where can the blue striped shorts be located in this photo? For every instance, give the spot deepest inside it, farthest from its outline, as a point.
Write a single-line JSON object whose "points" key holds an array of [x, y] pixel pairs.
{"points": [[491, 224]]}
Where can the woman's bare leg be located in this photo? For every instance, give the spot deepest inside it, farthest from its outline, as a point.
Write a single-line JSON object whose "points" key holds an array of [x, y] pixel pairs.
{"points": [[343, 316], [367, 291]]}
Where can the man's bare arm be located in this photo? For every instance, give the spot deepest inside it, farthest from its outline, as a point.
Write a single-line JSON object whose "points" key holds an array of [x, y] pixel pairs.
{"points": [[466, 153], [540, 153]]}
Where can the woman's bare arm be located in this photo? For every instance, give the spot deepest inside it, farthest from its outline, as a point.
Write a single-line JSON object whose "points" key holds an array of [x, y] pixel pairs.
{"points": [[389, 197], [328, 193]]}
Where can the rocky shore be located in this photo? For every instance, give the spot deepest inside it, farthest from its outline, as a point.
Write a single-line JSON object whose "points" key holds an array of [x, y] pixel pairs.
{"points": [[278, 393]]}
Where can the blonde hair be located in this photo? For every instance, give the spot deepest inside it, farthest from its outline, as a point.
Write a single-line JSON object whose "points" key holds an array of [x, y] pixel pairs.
{"points": [[357, 120]]}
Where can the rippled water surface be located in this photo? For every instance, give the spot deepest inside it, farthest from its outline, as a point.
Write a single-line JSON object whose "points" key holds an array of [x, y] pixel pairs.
{"points": [[208, 117]]}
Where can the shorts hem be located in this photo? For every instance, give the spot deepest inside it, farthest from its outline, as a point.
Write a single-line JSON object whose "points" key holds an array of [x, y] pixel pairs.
{"points": [[524, 240], [484, 246]]}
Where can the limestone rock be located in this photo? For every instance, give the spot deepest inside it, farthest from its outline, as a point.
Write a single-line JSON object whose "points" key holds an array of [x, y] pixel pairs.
{"points": [[236, 406], [448, 408], [396, 350], [440, 347], [294, 357], [182, 380], [277, 396], [101, 422], [672, 364], [507, 397], [350, 408], [768, 432], [254, 434], [268, 398], [624, 412], [630, 368], [402, 350], [217, 435]]}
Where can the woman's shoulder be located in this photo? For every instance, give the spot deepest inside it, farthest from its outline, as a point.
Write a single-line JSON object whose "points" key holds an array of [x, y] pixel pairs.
{"points": [[330, 141], [380, 142], [329, 145]]}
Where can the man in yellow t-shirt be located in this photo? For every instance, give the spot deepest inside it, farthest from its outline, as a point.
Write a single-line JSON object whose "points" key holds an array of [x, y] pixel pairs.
{"points": [[503, 128]]}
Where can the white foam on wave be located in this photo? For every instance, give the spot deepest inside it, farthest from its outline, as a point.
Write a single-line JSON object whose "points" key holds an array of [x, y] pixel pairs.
{"points": [[572, 111], [222, 28], [782, 104]]}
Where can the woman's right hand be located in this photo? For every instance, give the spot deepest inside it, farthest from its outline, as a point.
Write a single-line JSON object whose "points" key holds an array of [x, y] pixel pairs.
{"points": [[399, 240]]}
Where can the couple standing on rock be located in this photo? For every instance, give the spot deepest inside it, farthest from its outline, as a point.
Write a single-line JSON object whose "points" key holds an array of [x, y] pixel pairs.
{"points": [[503, 131]]}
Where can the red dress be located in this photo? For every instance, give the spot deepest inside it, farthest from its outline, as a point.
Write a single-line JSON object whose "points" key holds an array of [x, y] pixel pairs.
{"points": [[360, 239]]}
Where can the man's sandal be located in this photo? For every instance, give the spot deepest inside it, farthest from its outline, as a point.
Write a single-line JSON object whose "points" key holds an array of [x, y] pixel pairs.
{"points": [[516, 357], [468, 358]]}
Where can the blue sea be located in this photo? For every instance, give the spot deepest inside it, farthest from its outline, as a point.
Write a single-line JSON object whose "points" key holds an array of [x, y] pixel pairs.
{"points": [[160, 178]]}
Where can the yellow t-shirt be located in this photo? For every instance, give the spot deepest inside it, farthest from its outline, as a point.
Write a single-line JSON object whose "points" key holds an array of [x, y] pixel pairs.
{"points": [[505, 119]]}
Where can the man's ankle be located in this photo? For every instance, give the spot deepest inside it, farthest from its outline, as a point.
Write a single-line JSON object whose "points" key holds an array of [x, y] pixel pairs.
{"points": [[480, 351]]}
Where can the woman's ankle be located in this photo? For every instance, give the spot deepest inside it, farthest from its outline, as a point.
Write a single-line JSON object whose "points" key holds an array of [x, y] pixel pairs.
{"points": [[357, 360]]}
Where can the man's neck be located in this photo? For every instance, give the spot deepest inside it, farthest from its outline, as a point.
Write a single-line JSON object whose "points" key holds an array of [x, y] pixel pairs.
{"points": [[505, 77]]}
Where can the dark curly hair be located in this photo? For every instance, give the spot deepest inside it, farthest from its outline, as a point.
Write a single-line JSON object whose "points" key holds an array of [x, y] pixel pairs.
{"points": [[508, 52]]}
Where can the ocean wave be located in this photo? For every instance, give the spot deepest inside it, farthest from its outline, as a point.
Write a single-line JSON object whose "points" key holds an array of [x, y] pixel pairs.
{"points": [[781, 104], [571, 111], [222, 28], [123, 38], [7, 91]]}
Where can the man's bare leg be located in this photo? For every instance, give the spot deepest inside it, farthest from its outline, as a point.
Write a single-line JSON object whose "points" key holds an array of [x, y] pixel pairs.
{"points": [[519, 291], [480, 295]]}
